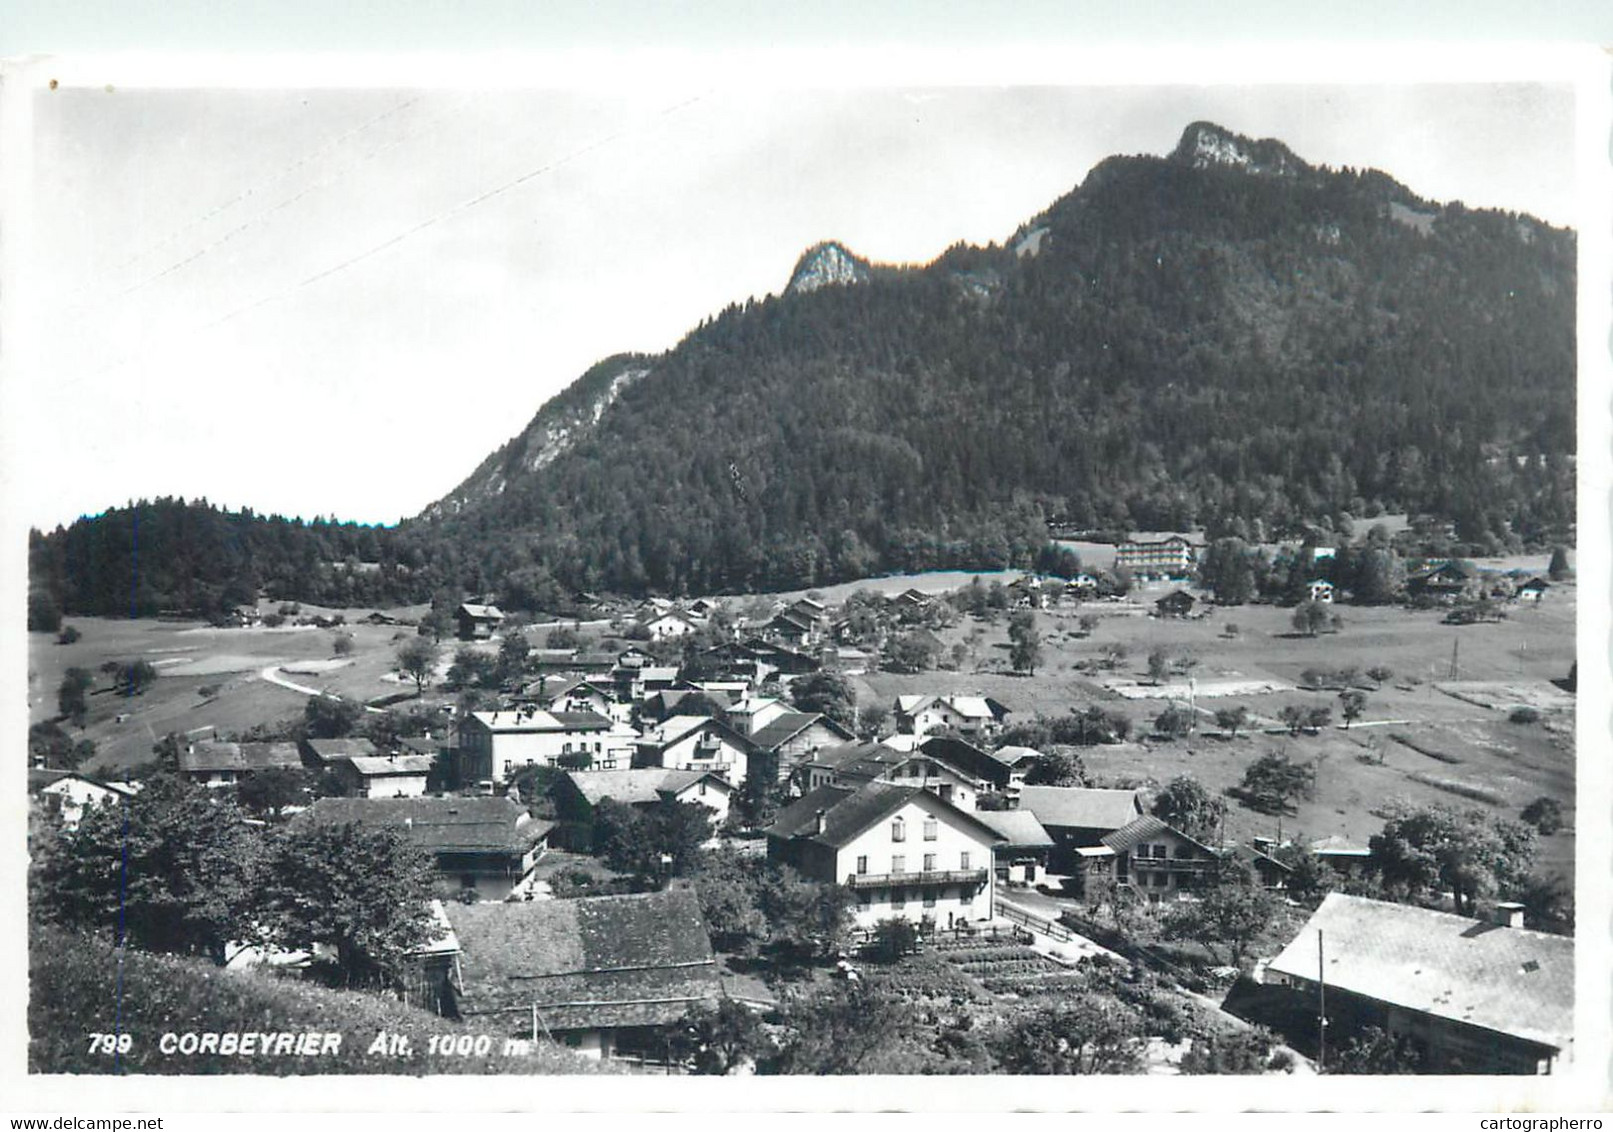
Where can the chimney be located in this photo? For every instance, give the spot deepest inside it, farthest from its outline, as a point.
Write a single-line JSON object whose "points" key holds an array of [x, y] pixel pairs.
{"points": [[820, 822], [1509, 914]]}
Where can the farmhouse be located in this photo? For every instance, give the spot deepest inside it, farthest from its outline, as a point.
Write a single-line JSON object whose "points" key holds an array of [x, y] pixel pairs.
{"points": [[793, 628], [478, 622], [223, 764], [975, 716], [1177, 603], [578, 695], [1532, 590], [855, 764], [669, 625], [67, 795], [609, 975], [1021, 857], [1078, 818], [386, 776], [1319, 590], [324, 754], [1149, 856], [495, 744], [1473, 996], [485, 846], [695, 742], [791, 738], [902, 850], [578, 792], [1443, 583]]}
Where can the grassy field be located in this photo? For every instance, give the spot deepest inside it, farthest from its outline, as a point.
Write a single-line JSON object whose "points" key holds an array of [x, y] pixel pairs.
{"points": [[1503, 765]]}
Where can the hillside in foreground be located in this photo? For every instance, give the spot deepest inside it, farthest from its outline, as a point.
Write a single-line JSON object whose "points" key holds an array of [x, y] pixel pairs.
{"points": [[80, 986]]}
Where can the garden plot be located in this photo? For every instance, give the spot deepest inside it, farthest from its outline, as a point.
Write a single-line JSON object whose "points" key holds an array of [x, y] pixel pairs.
{"points": [[1202, 689]]}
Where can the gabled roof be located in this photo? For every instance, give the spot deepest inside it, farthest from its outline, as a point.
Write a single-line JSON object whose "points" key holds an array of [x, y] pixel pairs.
{"points": [[1508, 980], [793, 619], [481, 612], [1078, 807], [845, 754], [682, 726], [329, 750], [203, 758], [443, 825], [381, 766], [600, 961], [637, 786], [1140, 829], [849, 811], [1013, 755], [787, 726], [42, 778], [967, 758], [528, 721], [1019, 827]]}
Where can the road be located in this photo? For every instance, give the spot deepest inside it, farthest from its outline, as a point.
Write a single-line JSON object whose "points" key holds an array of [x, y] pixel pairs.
{"points": [[271, 673]]}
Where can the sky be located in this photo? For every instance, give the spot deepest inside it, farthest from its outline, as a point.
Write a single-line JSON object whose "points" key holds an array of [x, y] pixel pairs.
{"points": [[339, 301]]}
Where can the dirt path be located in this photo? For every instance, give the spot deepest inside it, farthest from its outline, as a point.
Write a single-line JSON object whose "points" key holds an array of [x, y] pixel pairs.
{"points": [[271, 673]]}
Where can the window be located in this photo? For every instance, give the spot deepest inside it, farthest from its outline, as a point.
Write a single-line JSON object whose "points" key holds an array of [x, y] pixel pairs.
{"points": [[931, 826], [963, 860], [1161, 880], [929, 862], [898, 864], [862, 866], [898, 897], [929, 898], [898, 830]]}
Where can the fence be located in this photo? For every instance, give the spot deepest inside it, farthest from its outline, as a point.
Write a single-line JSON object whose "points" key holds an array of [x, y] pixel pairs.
{"points": [[1034, 923]]}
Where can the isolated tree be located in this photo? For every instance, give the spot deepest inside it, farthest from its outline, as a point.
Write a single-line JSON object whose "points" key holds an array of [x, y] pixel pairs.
{"points": [[69, 635], [1227, 570], [827, 693], [1090, 1034], [1293, 717], [562, 637], [267, 793], [1174, 722], [1184, 804], [512, 654], [1273, 782], [342, 644], [417, 659], [1380, 674], [133, 677], [909, 653], [1227, 1051], [1229, 916], [362, 891], [1352, 702], [435, 624], [1159, 666], [1232, 719], [71, 699], [472, 668], [331, 717], [171, 869], [1545, 814], [44, 614], [1318, 717], [1311, 617], [894, 937], [1558, 569], [1025, 642], [1088, 623]]}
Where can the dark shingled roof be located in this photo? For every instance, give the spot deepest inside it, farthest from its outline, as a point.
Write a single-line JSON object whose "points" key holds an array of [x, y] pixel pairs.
{"points": [[638, 785], [1133, 833], [1077, 807], [1509, 980], [1019, 828], [790, 724], [601, 961], [329, 750], [439, 825], [849, 811], [244, 757]]}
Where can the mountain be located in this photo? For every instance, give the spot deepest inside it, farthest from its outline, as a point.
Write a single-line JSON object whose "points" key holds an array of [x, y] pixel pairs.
{"points": [[1225, 335]]}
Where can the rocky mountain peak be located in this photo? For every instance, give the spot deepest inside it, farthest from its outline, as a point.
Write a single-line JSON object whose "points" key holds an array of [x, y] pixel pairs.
{"points": [[1205, 145], [829, 264]]}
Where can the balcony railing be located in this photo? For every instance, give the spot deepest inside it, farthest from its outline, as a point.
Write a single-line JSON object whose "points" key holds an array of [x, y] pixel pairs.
{"points": [[1171, 864], [926, 877]]}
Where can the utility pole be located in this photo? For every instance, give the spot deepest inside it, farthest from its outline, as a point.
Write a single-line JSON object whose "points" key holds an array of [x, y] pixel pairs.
{"points": [[1321, 1006]]}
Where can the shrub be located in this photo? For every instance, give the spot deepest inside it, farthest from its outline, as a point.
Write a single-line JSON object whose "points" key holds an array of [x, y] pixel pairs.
{"points": [[1545, 814], [68, 635], [1525, 714]]}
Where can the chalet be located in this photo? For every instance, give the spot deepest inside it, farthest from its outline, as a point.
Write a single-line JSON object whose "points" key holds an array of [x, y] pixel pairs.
{"points": [[1268, 870], [785, 661], [1149, 856], [66, 796], [791, 738], [1472, 996], [734, 661], [1019, 761], [974, 716], [1319, 590], [1027, 592], [793, 628], [478, 622], [912, 599], [1081, 587], [1446, 582], [495, 744], [578, 792], [810, 608], [386, 776], [902, 850], [1078, 818], [695, 742], [224, 764], [1021, 857], [701, 607], [379, 618], [612, 976], [664, 705], [1345, 857], [670, 625], [577, 695], [1177, 603], [1532, 590], [485, 846], [1170, 557], [637, 682], [324, 754]]}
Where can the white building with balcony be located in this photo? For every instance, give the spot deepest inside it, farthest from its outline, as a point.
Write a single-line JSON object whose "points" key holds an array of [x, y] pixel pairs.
{"points": [[902, 850], [696, 742]]}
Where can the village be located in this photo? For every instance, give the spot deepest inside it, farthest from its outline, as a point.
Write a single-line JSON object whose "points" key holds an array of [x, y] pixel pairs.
{"points": [[715, 835]]}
